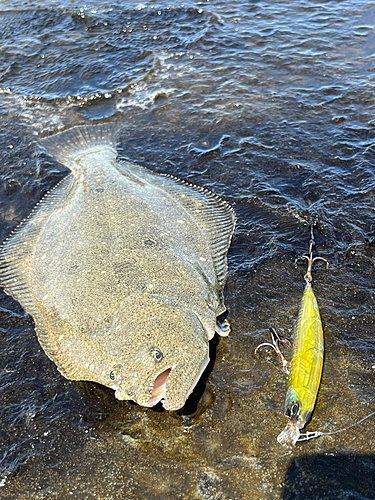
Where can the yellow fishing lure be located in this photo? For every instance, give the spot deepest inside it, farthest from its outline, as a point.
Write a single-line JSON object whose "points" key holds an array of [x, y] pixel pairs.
{"points": [[305, 368]]}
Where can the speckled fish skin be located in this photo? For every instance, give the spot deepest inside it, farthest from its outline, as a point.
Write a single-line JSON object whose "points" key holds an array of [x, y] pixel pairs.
{"points": [[122, 271]]}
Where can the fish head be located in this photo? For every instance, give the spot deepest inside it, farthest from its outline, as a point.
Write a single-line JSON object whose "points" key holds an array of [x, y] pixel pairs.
{"points": [[162, 351]]}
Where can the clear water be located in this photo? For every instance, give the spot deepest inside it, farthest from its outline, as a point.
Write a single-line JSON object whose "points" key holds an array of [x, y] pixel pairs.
{"points": [[270, 105]]}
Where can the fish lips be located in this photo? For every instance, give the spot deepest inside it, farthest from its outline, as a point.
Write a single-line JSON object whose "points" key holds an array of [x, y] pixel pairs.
{"points": [[158, 391], [174, 385], [148, 394]]}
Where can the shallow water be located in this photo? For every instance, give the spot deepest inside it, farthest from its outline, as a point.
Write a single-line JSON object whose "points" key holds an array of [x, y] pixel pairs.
{"points": [[270, 105]]}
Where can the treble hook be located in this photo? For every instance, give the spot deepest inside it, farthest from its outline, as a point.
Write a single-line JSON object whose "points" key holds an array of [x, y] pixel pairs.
{"points": [[308, 277], [276, 338]]}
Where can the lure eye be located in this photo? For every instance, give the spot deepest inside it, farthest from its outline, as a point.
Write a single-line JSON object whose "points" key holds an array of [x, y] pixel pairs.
{"points": [[156, 353], [294, 410]]}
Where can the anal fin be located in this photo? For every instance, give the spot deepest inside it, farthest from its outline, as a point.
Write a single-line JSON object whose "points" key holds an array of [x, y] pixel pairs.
{"points": [[17, 250]]}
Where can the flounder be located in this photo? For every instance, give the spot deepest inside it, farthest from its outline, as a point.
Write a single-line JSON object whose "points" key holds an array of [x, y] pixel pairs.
{"points": [[122, 271]]}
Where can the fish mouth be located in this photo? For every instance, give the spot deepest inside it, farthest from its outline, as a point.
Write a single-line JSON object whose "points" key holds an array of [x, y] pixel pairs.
{"points": [[159, 387], [158, 391]]}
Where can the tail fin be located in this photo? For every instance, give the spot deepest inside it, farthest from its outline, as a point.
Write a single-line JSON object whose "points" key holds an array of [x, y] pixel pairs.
{"points": [[75, 142]]}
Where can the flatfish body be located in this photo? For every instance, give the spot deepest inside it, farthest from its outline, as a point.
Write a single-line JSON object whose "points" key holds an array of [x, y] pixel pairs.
{"points": [[122, 271]]}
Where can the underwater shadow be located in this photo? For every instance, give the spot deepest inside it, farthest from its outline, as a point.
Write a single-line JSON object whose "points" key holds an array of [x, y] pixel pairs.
{"points": [[200, 399], [322, 477]]}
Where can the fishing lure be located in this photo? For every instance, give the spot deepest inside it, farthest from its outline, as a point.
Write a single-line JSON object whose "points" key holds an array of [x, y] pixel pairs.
{"points": [[306, 365]]}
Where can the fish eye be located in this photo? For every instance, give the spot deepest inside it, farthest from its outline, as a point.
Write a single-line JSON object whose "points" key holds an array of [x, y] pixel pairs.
{"points": [[156, 353], [113, 375]]}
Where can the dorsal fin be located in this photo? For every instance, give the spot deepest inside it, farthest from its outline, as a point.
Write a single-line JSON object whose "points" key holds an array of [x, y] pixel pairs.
{"points": [[215, 216], [17, 250]]}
